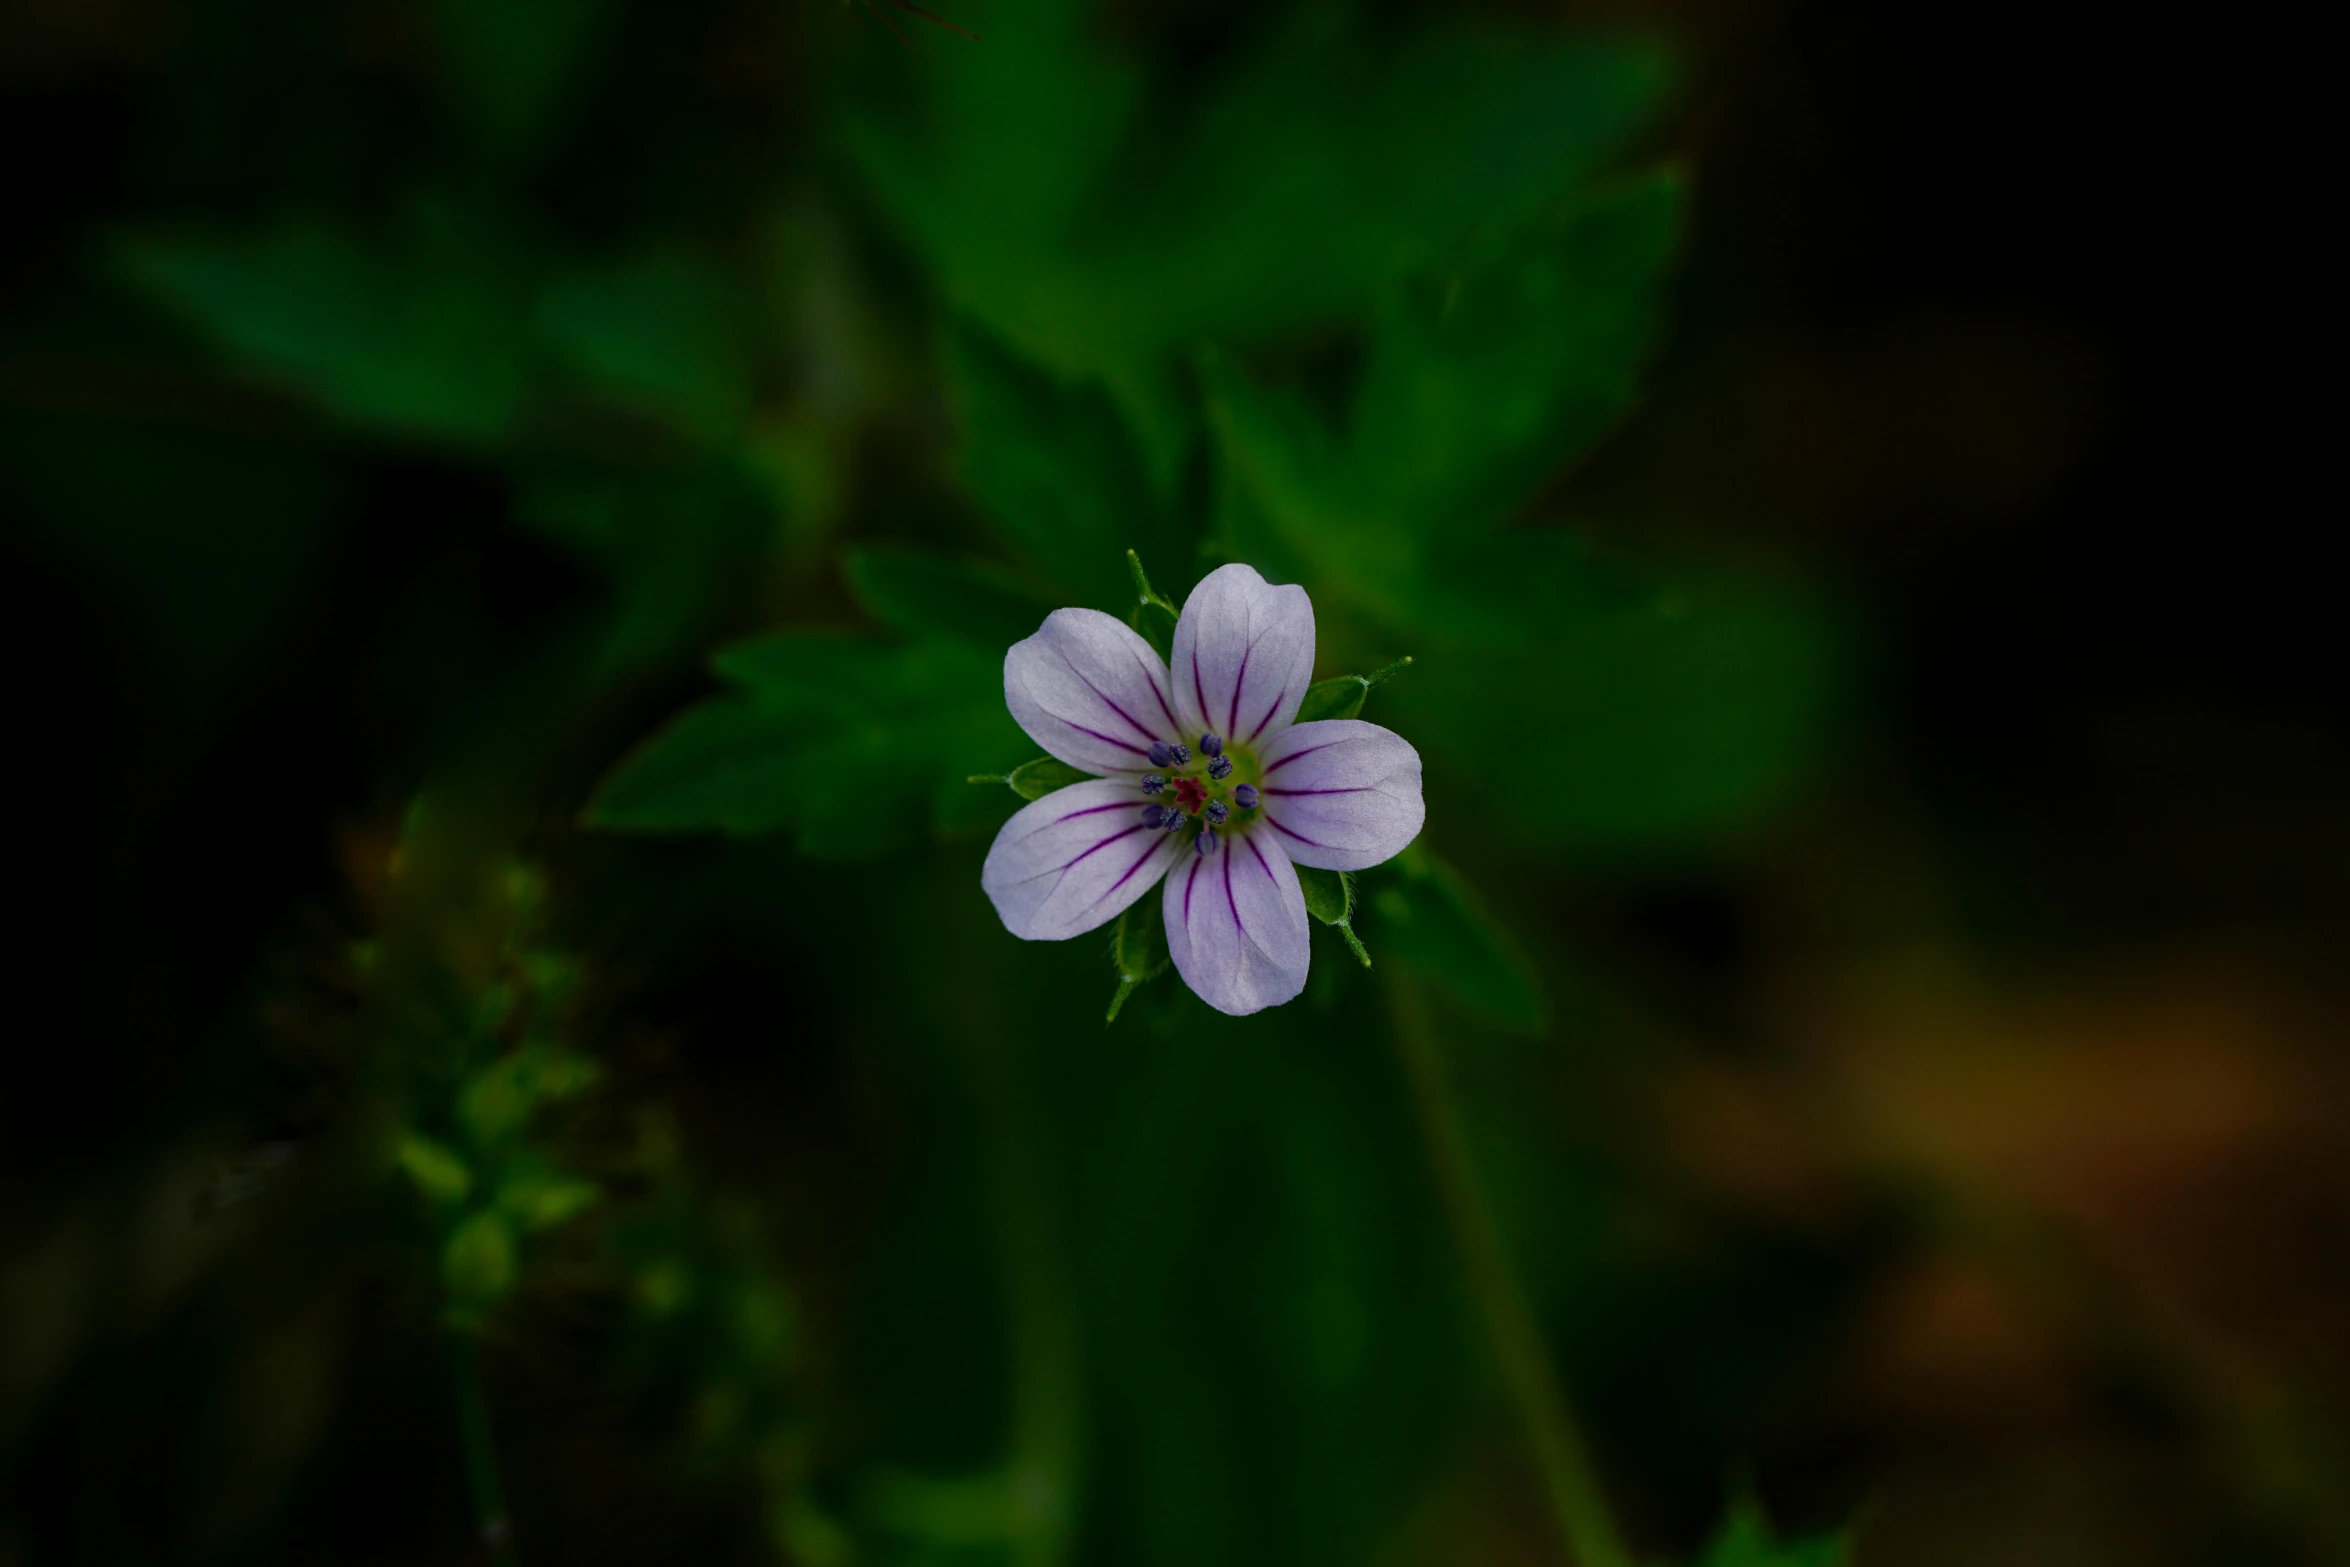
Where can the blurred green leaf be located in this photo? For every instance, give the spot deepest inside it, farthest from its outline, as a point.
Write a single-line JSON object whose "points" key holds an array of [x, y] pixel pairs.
{"points": [[1434, 921], [437, 1172], [666, 332], [542, 1201], [512, 66], [1637, 722], [1054, 466], [477, 1264], [1098, 246], [1746, 1540], [1485, 380], [848, 743], [923, 594], [422, 334]]}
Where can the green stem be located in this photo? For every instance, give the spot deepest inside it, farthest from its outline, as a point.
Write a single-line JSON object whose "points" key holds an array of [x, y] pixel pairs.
{"points": [[1558, 1448], [480, 1450]]}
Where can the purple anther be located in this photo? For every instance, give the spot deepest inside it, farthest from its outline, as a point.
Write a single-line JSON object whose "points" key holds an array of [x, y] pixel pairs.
{"points": [[1152, 783], [1205, 844], [1220, 767], [1217, 812], [1156, 815], [1163, 755], [1182, 752], [1211, 745], [1245, 797]]}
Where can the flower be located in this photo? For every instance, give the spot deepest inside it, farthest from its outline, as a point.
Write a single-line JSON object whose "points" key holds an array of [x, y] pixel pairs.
{"points": [[1204, 780]]}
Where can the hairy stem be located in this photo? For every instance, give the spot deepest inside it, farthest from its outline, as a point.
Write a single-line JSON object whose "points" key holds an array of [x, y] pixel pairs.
{"points": [[1499, 1298]]}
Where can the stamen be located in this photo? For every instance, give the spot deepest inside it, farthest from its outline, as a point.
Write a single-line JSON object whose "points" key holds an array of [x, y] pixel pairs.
{"points": [[1205, 844], [1220, 767], [1217, 812], [1162, 754], [1245, 797], [1182, 752], [1211, 745], [1152, 783], [1156, 815]]}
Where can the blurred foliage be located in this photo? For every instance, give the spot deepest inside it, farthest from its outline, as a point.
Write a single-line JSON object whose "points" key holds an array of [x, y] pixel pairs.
{"points": [[699, 401]]}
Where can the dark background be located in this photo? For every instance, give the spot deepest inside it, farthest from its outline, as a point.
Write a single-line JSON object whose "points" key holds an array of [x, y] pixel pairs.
{"points": [[1952, 1146]]}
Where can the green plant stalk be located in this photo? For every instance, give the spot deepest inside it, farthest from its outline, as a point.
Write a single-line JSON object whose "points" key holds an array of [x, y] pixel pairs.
{"points": [[480, 1449], [1499, 1298]]}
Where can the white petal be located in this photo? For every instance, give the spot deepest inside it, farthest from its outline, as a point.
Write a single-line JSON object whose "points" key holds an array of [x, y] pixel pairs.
{"points": [[1090, 691], [1236, 924], [1076, 859], [1341, 794], [1243, 656]]}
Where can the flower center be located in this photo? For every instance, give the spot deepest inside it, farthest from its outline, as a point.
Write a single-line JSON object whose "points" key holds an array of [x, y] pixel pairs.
{"points": [[1212, 788]]}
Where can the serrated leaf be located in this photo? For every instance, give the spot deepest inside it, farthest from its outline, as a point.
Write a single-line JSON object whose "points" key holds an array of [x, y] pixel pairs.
{"points": [[846, 743], [1486, 379], [514, 67], [923, 594], [1054, 467], [667, 333], [1432, 918], [420, 335]]}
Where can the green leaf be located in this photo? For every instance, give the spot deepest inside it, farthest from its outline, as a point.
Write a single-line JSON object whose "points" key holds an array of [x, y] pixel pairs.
{"points": [[1330, 898], [1282, 197], [477, 1264], [924, 594], [1486, 379], [1140, 950], [1054, 467], [668, 333], [1746, 1540], [513, 67], [1435, 921], [420, 333], [1034, 780], [1343, 696], [848, 744], [541, 1201], [437, 1172]]}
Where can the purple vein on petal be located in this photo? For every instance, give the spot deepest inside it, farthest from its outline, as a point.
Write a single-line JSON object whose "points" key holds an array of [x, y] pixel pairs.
{"points": [[1190, 880], [1361, 789], [1269, 712], [1275, 767], [1199, 687], [1232, 722], [1112, 739], [1115, 708], [1105, 843], [1299, 836], [1174, 724], [1140, 861]]}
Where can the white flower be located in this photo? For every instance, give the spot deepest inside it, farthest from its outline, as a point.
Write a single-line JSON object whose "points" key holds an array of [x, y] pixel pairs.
{"points": [[1204, 782]]}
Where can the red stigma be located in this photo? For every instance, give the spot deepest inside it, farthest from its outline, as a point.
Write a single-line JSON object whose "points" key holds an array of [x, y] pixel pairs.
{"points": [[1189, 795]]}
